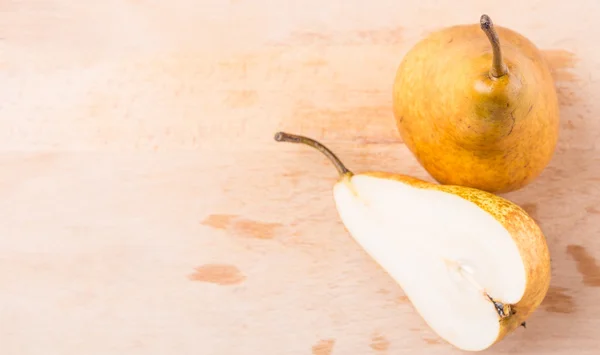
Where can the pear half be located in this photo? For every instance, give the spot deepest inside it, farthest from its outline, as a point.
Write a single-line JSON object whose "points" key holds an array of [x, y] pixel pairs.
{"points": [[474, 265]]}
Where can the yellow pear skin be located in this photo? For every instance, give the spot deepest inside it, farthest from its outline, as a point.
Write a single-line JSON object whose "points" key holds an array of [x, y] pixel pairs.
{"points": [[477, 106], [386, 223]]}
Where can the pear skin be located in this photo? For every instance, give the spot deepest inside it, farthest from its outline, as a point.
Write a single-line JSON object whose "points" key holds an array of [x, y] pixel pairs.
{"points": [[477, 106]]}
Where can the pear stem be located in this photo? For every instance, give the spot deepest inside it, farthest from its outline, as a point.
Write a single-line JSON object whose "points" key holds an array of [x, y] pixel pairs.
{"points": [[498, 67], [292, 138]]}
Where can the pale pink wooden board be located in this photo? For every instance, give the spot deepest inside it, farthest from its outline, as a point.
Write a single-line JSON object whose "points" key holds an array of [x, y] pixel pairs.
{"points": [[146, 209]]}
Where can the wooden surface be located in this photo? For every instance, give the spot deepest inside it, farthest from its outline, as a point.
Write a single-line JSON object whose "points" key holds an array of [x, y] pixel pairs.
{"points": [[147, 210]]}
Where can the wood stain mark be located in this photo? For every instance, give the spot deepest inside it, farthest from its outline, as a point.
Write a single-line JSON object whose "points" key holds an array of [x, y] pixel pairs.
{"points": [[379, 343], [566, 96], [323, 347], [241, 98], [592, 209], [316, 62], [403, 299], [293, 177], [293, 174], [561, 63], [586, 265], [254, 229], [432, 341], [242, 227], [219, 221], [531, 209], [557, 301], [220, 274]]}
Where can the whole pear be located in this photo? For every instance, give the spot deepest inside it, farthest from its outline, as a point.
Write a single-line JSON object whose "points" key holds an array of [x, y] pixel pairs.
{"points": [[477, 106]]}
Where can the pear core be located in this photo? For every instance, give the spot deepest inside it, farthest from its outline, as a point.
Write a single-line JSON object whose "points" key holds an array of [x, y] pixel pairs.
{"points": [[448, 255]]}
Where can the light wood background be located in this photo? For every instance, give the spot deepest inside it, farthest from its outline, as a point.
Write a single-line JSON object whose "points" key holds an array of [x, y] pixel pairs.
{"points": [[146, 209]]}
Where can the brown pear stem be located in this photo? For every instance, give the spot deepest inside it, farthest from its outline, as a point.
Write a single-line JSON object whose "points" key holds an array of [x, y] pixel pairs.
{"points": [[292, 138], [498, 68]]}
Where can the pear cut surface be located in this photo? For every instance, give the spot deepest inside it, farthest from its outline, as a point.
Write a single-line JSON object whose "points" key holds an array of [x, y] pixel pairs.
{"points": [[447, 254]]}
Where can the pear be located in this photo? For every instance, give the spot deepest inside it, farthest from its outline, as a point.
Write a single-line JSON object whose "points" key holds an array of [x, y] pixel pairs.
{"points": [[477, 106], [474, 265]]}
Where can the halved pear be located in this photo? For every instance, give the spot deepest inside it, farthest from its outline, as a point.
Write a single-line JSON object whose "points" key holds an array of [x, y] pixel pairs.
{"points": [[473, 264]]}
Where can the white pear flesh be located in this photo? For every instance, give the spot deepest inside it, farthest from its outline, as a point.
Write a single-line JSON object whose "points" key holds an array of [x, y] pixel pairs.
{"points": [[444, 251]]}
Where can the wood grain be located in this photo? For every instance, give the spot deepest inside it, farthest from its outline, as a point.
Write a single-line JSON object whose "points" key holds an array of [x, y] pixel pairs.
{"points": [[146, 209]]}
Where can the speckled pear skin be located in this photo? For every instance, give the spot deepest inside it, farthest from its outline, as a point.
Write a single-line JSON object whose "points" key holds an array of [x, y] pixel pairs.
{"points": [[467, 128], [528, 237]]}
